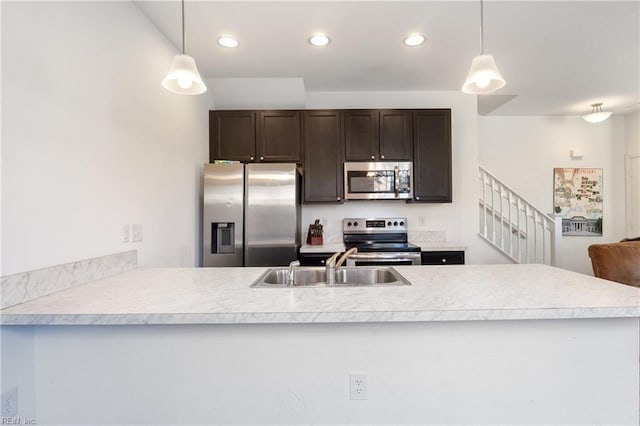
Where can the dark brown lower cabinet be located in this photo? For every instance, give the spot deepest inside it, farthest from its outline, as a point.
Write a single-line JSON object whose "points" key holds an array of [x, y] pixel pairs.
{"points": [[323, 156], [313, 259], [432, 156], [455, 257]]}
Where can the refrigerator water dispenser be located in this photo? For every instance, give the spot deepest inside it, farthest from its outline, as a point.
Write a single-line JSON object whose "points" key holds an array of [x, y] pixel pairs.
{"points": [[222, 237]]}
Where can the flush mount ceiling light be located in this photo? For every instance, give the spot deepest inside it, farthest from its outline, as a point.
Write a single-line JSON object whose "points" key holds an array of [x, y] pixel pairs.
{"points": [[596, 115], [414, 40], [319, 40], [227, 41], [484, 76], [183, 76]]}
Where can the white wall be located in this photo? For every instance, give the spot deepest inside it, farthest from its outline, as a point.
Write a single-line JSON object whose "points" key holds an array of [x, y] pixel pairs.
{"points": [[459, 219], [467, 372], [90, 139], [523, 151], [632, 129]]}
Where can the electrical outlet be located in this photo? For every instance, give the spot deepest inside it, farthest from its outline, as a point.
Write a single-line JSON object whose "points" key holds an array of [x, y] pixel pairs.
{"points": [[10, 403], [136, 232], [126, 233], [358, 386]]}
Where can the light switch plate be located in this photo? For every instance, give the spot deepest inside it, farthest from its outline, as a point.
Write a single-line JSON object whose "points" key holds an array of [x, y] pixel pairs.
{"points": [[126, 233], [136, 232]]}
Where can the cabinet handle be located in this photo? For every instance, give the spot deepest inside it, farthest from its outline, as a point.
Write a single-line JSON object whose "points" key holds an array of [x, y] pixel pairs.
{"points": [[444, 260], [251, 158], [382, 156], [338, 198], [417, 198], [261, 158], [373, 157]]}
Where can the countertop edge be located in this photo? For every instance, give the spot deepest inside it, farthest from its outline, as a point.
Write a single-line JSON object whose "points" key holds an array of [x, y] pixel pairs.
{"points": [[319, 317]]}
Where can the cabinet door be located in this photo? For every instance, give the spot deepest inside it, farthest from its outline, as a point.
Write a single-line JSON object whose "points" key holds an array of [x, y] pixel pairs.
{"points": [[232, 135], [361, 135], [313, 259], [432, 155], [396, 135], [442, 257], [323, 156], [278, 136]]}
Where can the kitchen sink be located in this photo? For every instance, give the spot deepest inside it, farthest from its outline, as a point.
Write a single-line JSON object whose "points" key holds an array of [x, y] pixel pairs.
{"points": [[353, 276]]}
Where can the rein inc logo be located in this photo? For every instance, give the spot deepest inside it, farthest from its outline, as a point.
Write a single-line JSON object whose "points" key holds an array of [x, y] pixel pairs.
{"points": [[17, 421]]}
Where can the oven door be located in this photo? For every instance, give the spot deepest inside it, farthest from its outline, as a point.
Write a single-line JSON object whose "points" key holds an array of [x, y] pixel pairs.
{"points": [[384, 259]]}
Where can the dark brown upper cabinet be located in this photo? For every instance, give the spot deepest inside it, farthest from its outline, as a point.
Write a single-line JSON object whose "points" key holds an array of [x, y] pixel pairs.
{"points": [[232, 135], [323, 156], [278, 136], [361, 135], [378, 135], [323, 139], [255, 136], [432, 155], [396, 135]]}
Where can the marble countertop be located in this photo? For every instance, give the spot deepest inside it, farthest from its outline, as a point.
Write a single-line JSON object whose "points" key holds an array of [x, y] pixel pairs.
{"points": [[437, 293]]}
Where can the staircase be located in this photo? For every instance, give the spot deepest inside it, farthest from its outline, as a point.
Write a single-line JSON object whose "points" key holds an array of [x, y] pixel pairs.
{"points": [[513, 226]]}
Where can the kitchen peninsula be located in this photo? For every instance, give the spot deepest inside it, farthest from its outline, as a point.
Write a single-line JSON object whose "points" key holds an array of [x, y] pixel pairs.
{"points": [[462, 344]]}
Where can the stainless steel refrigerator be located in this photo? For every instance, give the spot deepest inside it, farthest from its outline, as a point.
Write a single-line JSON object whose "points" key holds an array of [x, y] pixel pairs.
{"points": [[251, 214]]}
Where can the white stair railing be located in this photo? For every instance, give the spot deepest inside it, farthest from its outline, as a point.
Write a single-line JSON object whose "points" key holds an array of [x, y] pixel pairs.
{"points": [[514, 226]]}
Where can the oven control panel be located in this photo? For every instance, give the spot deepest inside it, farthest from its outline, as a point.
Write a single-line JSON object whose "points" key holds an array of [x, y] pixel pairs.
{"points": [[374, 225]]}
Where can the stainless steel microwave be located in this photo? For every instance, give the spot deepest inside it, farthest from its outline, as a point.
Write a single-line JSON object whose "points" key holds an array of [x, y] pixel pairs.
{"points": [[381, 180]]}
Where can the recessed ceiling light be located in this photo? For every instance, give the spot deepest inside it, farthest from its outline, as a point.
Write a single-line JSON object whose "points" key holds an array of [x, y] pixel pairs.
{"points": [[319, 40], [227, 41], [414, 40]]}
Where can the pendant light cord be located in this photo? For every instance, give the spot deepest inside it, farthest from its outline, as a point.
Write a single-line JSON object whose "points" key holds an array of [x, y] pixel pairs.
{"points": [[183, 28], [481, 28]]}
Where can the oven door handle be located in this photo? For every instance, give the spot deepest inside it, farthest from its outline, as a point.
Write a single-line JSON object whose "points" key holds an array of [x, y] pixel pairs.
{"points": [[414, 258], [385, 255]]}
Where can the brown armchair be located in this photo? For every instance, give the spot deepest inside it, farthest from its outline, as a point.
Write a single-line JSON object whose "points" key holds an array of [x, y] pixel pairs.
{"points": [[618, 262]]}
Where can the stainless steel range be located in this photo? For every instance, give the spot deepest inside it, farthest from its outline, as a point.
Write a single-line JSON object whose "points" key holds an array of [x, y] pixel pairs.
{"points": [[380, 241]]}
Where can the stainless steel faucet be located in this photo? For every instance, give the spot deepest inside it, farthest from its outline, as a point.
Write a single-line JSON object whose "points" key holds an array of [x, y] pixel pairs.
{"points": [[292, 265], [331, 264]]}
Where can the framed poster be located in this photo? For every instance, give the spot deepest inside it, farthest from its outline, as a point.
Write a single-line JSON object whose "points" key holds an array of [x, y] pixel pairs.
{"points": [[577, 196]]}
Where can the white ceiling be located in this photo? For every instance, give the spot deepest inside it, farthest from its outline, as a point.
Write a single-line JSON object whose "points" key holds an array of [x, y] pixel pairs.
{"points": [[557, 57]]}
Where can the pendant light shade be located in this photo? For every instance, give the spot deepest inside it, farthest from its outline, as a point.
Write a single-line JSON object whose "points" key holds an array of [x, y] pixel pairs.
{"points": [[596, 115], [183, 76], [483, 76]]}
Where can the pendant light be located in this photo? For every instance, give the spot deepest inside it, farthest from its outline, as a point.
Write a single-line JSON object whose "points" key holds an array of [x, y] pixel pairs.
{"points": [[183, 76], [484, 76], [597, 114]]}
